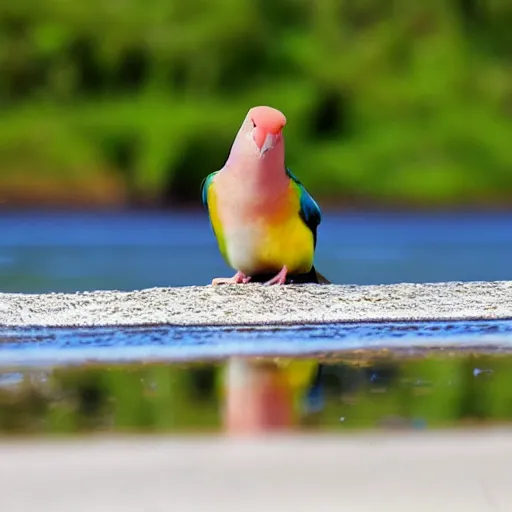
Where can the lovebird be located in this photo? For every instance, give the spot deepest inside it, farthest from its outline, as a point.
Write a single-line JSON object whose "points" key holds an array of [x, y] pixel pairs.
{"points": [[264, 219], [265, 223]]}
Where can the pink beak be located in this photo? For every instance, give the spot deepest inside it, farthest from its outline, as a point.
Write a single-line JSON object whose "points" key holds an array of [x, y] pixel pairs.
{"points": [[264, 140]]}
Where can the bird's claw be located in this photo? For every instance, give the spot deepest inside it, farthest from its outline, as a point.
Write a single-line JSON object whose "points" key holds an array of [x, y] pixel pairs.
{"points": [[238, 278], [241, 278], [279, 278]]}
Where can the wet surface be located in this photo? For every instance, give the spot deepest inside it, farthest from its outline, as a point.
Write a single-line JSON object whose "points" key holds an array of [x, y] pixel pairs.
{"points": [[409, 393], [32, 346]]}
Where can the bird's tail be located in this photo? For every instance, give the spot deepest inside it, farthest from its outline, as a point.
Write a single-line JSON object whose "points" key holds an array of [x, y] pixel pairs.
{"points": [[313, 276], [320, 278]]}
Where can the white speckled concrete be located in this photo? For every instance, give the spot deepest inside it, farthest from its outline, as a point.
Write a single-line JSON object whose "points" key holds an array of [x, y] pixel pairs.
{"points": [[257, 304], [420, 472]]}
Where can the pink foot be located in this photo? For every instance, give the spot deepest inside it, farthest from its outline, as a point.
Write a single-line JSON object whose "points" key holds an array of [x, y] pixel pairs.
{"points": [[238, 278], [279, 278]]}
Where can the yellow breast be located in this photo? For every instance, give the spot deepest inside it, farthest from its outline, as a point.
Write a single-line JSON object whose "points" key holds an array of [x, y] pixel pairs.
{"points": [[258, 237], [287, 242]]}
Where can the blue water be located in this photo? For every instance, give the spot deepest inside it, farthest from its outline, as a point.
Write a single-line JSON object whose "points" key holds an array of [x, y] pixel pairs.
{"points": [[126, 251], [52, 252], [65, 346]]}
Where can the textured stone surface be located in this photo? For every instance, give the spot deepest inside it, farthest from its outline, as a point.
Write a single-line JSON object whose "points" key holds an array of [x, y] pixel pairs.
{"points": [[257, 304], [421, 472]]}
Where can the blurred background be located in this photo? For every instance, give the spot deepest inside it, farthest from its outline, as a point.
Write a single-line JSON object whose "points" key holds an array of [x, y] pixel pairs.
{"points": [[113, 111], [392, 107], [122, 103]]}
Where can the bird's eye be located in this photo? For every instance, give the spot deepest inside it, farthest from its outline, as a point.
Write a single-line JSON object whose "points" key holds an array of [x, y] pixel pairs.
{"points": [[253, 124]]}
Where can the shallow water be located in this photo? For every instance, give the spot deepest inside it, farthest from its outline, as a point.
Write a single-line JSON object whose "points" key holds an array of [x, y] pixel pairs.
{"points": [[406, 393], [32, 346], [407, 375]]}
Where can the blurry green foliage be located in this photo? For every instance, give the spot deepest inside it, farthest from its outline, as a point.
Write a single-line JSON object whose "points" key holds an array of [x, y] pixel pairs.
{"points": [[387, 100]]}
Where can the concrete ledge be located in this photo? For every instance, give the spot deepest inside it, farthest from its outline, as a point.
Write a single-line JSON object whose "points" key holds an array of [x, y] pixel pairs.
{"points": [[424, 472], [256, 304]]}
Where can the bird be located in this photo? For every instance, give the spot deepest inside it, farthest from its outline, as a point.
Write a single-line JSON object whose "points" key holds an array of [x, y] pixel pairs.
{"points": [[264, 220]]}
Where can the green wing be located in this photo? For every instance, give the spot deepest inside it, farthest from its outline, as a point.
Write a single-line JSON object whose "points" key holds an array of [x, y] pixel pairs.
{"points": [[309, 212]]}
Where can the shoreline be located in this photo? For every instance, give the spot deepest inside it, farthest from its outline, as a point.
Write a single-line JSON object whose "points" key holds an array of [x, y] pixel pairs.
{"points": [[257, 305]]}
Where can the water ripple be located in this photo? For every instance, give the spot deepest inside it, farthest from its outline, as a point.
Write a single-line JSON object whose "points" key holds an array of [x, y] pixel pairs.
{"points": [[66, 345]]}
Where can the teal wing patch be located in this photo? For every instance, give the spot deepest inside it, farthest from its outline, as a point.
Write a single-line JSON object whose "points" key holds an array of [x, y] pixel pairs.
{"points": [[204, 188], [309, 210]]}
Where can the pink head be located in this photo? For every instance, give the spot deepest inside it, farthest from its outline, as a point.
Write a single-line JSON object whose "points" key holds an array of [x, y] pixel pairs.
{"points": [[260, 140]]}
